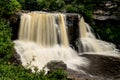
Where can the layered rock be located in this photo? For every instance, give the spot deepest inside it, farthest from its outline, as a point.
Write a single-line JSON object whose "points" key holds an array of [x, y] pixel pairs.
{"points": [[108, 10]]}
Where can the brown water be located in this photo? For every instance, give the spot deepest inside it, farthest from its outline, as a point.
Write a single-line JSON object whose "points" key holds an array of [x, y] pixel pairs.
{"points": [[43, 38], [38, 41]]}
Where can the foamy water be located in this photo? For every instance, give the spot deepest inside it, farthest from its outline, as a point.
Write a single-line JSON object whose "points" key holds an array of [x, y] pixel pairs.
{"points": [[33, 55], [43, 38]]}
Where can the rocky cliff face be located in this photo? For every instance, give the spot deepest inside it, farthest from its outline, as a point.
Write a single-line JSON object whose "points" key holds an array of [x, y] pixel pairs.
{"points": [[107, 21], [108, 10]]}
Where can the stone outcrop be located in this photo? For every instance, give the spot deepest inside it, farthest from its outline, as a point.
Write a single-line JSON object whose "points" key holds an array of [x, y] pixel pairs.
{"points": [[108, 10], [104, 67], [53, 65], [101, 67]]}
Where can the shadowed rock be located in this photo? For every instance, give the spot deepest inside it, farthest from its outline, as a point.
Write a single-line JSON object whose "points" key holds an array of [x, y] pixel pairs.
{"points": [[108, 10], [53, 65], [107, 67]]}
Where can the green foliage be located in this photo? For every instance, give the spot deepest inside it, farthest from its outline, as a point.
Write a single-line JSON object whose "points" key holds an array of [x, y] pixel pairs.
{"points": [[84, 7], [9, 7], [8, 71], [59, 74], [70, 8], [33, 4], [22, 2], [88, 14], [56, 5], [6, 45], [109, 31], [11, 72]]}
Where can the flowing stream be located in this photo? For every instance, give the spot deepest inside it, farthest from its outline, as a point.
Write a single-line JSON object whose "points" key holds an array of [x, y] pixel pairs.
{"points": [[43, 38]]}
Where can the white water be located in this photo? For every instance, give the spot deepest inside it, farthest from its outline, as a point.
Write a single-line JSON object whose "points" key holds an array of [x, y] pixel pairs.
{"points": [[38, 41], [43, 38], [90, 43]]}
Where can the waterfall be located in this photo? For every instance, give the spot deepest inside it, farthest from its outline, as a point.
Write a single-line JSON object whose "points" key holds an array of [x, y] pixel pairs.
{"points": [[41, 28], [89, 42], [43, 38]]}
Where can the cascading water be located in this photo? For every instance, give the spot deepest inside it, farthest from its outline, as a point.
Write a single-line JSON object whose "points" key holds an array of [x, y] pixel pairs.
{"points": [[90, 44], [42, 38]]}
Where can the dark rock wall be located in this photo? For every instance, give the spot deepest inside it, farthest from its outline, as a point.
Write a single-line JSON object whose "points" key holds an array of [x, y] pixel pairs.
{"points": [[73, 29], [107, 21], [14, 23], [108, 10]]}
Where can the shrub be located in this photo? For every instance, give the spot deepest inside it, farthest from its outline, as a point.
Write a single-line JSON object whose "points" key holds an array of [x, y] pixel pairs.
{"points": [[34, 5], [71, 9], [56, 5], [6, 45], [9, 7], [10, 72], [109, 31], [22, 3], [58, 74]]}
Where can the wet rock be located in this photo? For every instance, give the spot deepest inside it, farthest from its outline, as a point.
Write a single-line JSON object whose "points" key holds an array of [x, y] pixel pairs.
{"points": [[53, 65], [73, 28], [74, 75], [106, 67], [101, 68], [15, 59], [101, 17], [15, 22]]}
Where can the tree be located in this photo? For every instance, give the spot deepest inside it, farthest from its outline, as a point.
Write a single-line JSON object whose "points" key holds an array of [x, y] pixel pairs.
{"points": [[34, 5], [9, 7]]}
